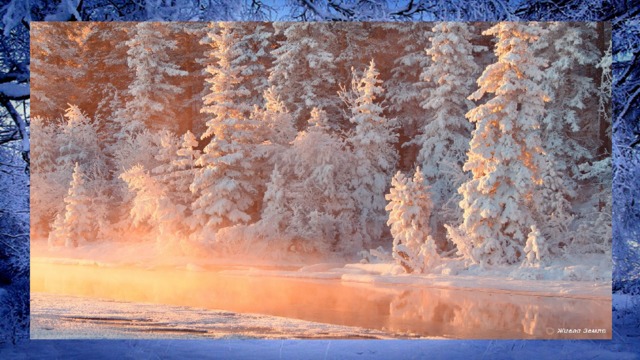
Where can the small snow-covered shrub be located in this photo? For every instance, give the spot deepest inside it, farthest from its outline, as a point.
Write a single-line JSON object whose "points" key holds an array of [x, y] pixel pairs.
{"points": [[409, 212], [536, 250], [375, 256]]}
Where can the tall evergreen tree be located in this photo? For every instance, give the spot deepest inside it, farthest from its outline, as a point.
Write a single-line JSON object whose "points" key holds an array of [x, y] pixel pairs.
{"points": [[571, 129], [373, 142], [506, 155], [152, 89], [49, 182], [444, 139], [176, 170], [303, 71], [225, 184], [152, 205], [76, 225], [317, 191], [404, 85]]}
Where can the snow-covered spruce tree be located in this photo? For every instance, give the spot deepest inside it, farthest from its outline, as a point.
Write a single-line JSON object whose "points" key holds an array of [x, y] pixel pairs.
{"points": [[303, 71], [227, 94], [409, 210], [49, 182], [77, 225], [276, 120], [570, 124], [552, 207], [237, 47], [225, 185], [176, 169], [140, 148], [255, 41], [317, 171], [276, 212], [505, 156], [152, 88], [184, 168], [151, 204], [536, 250], [169, 145], [594, 234], [444, 139], [307, 206], [79, 142], [56, 62], [373, 142], [58, 231], [404, 85]]}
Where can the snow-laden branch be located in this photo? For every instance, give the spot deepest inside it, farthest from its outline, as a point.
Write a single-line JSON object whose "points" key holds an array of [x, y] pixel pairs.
{"points": [[13, 91], [20, 124], [325, 15], [630, 101], [19, 74]]}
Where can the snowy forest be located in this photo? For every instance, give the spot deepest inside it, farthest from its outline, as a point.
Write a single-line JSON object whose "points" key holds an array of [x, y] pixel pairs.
{"points": [[486, 143]]}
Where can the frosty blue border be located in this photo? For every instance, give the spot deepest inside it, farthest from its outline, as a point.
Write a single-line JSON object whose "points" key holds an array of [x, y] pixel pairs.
{"points": [[625, 44]]}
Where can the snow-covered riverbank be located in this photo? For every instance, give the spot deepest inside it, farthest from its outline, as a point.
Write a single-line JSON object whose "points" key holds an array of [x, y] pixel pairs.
{"points": [[72, 317], [625, 345]]}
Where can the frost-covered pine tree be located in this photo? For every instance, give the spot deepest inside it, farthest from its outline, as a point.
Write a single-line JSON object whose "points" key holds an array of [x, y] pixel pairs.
{"points": [[79, 142], [176, 169], [409, 210], [169, 145], [536, 250], [505, 156], [317, 171], [444, 139], [225, 185], [276, 119], [276, 211], [232, 56], [571, 52], [47, 179], [404, 86], [303, 71], [153, 87], [255, 41], [570, 124], [308, 207], [151, 204], [76, 226], [184, 168], [277, 130], [373, 142]]}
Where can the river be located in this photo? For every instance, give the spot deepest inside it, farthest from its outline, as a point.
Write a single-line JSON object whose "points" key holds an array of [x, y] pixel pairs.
{"points": [[403, 310]]}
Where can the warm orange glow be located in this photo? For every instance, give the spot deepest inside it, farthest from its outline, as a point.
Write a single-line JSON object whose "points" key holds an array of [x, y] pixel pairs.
{"points": [[399, 309]]}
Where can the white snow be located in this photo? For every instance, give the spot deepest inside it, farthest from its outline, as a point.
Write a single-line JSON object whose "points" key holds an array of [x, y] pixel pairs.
{"points": [[623, 346], [14, 90], [70, 317]]}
